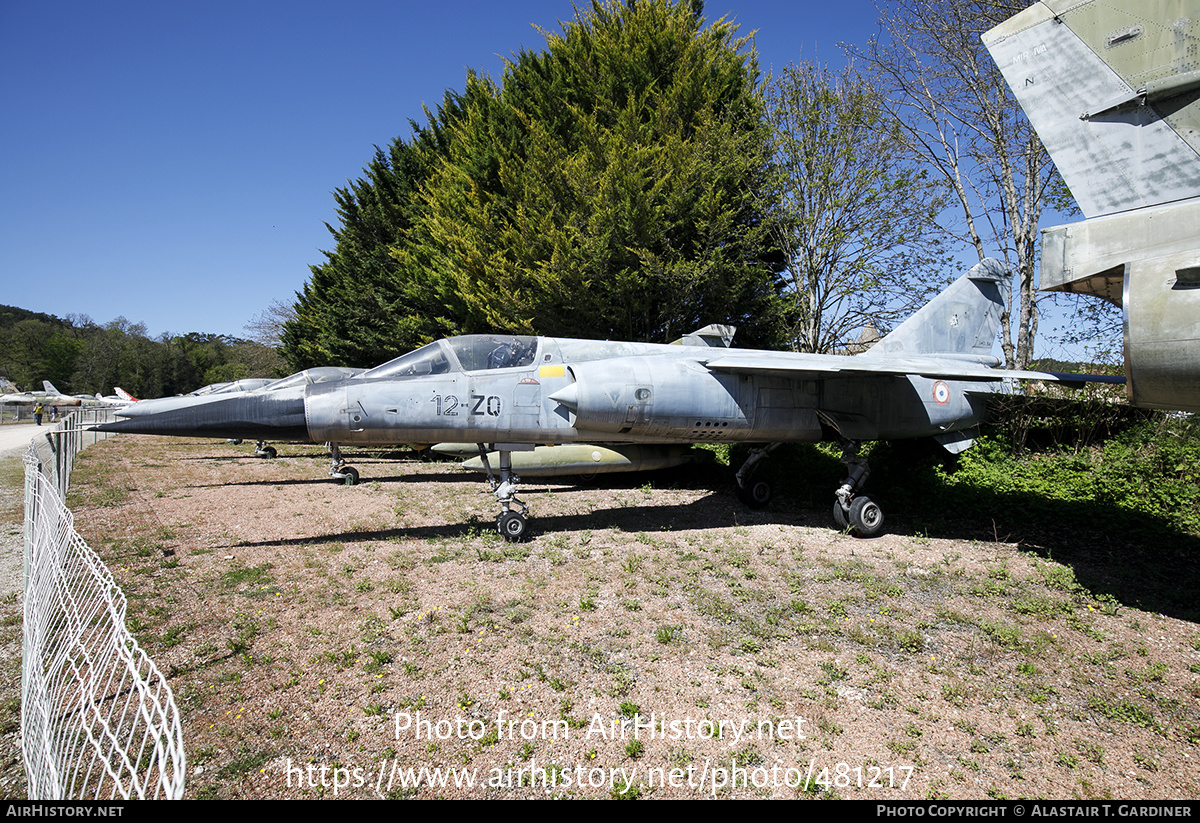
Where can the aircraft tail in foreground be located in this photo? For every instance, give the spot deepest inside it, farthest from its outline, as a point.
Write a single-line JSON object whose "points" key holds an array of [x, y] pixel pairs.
{"points": [[1110, 88], [1113, 89]]}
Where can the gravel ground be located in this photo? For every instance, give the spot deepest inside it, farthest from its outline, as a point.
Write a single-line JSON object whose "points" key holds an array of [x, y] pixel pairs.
{"points": [[653, 639]]}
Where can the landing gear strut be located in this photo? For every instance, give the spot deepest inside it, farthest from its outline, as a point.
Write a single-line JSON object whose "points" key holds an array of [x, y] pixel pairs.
{"points": [[338, 470], [511, 524], [860, 513], [261, 449], [754, 493]]}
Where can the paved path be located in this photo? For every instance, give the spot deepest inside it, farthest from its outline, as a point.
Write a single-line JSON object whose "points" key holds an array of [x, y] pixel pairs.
{"points": [[15, 437], [14, 441]]}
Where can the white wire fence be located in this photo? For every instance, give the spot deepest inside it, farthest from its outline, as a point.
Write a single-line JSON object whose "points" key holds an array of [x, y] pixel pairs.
{"points": [[98, 720]]}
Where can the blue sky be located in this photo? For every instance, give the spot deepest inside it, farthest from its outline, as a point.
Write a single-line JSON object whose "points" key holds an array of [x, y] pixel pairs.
{"points": [[174, 163]]}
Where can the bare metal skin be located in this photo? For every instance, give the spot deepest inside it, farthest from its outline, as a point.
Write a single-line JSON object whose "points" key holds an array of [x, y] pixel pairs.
{"points": [[1113, 90]]}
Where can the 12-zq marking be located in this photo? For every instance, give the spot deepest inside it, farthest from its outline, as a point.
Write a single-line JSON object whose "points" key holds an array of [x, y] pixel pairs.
{"points": [[448, 405]]}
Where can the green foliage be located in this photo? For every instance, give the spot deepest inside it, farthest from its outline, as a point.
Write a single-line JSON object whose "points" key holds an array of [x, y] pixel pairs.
{"points": [[603, 189], [81, 357], [1152, 468], [857, 222]]}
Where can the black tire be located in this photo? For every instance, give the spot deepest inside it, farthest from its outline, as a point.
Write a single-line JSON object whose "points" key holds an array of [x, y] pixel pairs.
{"points": [[269, 452], [349, 475], [866, 516], [511, 526], [839, 516], [756, 494]]}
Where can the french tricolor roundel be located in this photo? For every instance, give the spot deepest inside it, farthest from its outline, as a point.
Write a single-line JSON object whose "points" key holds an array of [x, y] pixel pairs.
{"points": [[941, 393]]}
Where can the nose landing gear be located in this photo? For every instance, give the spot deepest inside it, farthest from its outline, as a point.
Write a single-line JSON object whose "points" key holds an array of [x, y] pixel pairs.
{"points": [[511, 524], [338, 469]]}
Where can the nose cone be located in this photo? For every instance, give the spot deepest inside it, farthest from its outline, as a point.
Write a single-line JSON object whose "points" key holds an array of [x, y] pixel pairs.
{"points": [[266, 416]]}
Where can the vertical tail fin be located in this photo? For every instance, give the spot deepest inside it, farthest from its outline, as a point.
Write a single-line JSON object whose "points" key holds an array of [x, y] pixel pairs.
{"points": [[963, 319]]}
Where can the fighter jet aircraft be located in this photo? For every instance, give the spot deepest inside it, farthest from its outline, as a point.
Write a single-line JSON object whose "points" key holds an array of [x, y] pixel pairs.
{"points": [[509, 393], [220, 391], [49, 397], [96, 399], [1113, 90]]}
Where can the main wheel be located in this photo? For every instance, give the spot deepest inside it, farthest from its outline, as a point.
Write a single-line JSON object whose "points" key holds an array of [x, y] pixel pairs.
{"points": [[349, 475], [269, 452], [756, 494], [866, 516], [511, 525], [839, 516]]}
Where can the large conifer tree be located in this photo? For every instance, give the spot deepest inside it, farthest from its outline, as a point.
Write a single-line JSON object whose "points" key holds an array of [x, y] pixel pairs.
{"points": [[604, 188]]}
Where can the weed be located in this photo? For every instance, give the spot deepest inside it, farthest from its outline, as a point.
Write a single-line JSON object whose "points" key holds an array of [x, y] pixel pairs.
{"points": [[1125, 711], [668, 634], [1067, 761], [1092, 751], [627, 791]]}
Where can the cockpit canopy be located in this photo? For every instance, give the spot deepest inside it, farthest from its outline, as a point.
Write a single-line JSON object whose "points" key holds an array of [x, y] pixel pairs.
{"points": [[473, 352], [321, 374], [246, 384]]}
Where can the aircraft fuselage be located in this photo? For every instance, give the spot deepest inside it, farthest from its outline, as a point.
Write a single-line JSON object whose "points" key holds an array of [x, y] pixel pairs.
{"points": [[583, 391]]}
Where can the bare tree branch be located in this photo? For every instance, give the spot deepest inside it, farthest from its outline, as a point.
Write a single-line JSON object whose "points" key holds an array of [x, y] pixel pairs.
{"points": [[961, 120]]}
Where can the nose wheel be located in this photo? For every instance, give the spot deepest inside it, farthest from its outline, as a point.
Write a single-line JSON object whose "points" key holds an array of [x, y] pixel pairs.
{"points": [[511, 524], [338, 469]]}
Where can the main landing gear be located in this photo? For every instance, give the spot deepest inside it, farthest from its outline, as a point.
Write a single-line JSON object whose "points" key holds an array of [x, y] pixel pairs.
{"points": [[753, 492], [338, 469], [853, 511], [261, 449], [511, 524]]}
